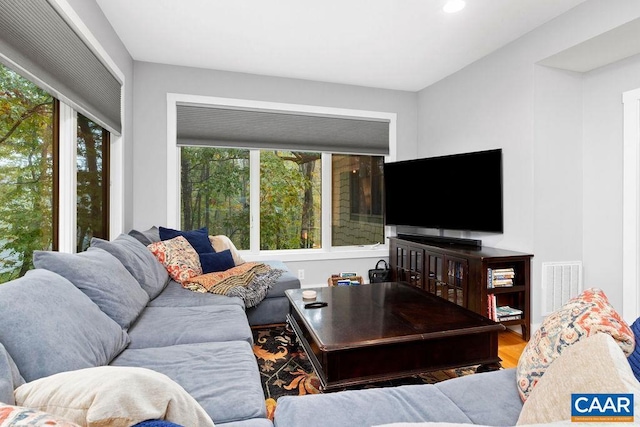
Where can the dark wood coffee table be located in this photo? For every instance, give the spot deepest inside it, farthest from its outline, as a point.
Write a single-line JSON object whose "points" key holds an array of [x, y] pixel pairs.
{"points": [[383, 331]]}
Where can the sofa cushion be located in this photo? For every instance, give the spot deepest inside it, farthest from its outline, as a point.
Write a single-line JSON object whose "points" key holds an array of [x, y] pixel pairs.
{"points": [[174, 295], [179, 258], [269, 311], [216, 261], [223, 377], [221, 243], [50, 326], [13, 416], [138, 260], [102, 278], [486, 398], [97, 397], [582, 316], [199, 238], [596, 364], [368, 407], [146, 237], [286, 281], [10, 377], [187, 325]]}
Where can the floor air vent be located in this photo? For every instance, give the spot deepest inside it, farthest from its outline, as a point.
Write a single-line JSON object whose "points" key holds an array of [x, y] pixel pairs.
{"points": [[560, 282]]}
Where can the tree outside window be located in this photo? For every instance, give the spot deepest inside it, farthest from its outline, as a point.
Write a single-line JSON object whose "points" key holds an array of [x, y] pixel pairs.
{"points": [[27, 145], [29, 175], [92, 152], [214, 186]]}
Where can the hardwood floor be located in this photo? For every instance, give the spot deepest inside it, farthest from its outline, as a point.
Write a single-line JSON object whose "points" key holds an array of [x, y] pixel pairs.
{"points": [[510, 346]]}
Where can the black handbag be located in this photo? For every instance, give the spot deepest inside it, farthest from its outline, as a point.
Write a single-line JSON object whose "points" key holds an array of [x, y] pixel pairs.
{"points": [[379, 275]]}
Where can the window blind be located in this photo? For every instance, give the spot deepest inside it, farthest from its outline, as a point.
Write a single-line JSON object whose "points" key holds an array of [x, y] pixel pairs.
{"points": [[37, 42], [270, 129]]}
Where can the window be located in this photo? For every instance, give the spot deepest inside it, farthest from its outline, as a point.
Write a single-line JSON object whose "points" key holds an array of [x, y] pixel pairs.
{"points": [[290, 200], [357, 216], [30, 190], [277, 176], [215, 192], [27, 146], [92, 154]]}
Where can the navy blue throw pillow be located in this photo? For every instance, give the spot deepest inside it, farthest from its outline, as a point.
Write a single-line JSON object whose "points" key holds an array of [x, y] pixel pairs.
{"points": [[634, 358], [218, 261], [199, 238]]}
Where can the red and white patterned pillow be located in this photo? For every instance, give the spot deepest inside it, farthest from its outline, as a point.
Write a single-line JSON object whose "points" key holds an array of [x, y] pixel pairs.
{"points": [[583, 316], [179, 258]]}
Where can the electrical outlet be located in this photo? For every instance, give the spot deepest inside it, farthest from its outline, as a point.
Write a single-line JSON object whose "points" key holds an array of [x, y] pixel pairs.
{"points": [[300, 274]]}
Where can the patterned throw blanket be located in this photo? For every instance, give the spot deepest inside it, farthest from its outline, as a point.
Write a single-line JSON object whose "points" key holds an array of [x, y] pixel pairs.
{"points": [[250, 281]]}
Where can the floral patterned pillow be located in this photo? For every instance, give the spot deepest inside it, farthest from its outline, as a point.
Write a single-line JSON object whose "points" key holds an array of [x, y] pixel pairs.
{"points": [[179, 258], [582, 316]]}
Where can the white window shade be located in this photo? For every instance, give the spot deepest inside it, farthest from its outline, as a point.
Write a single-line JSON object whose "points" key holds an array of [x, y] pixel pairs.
{"points": [[283, 130], [37, 42]]}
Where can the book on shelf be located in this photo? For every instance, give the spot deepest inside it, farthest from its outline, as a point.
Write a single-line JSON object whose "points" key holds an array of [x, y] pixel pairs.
{"points": [[501, 313], [507, 318], [505, 310], [456, 270], [500, 277], [509, 270], [492, 310]]}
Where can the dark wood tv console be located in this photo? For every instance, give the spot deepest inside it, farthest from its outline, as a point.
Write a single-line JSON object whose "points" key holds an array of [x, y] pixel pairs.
{"points": [[461, 274]]}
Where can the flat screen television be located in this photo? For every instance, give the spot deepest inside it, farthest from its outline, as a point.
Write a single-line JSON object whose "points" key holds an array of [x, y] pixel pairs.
{"points": [[455, 192]]}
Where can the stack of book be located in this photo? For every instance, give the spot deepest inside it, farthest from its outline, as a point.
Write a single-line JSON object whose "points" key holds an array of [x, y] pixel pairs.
{"points": [[503, 313], [500, 277]]}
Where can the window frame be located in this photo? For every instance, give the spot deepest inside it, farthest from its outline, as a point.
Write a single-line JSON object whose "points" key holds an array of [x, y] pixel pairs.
{"points": [[67, 213], [66, 183], [64, 234], [328, 251]]}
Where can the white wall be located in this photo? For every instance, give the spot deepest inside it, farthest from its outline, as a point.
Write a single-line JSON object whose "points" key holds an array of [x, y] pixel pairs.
{"points": [[152, 82], [558, 168], [602, 153], [92, 16], [561, 135]]}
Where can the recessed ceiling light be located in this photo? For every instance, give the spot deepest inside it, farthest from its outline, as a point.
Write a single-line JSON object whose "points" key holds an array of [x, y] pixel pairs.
{"points": [[453, 6]]}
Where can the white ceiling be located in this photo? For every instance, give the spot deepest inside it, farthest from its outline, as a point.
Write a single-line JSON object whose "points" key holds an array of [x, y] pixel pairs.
{"points": [[392, 44]]}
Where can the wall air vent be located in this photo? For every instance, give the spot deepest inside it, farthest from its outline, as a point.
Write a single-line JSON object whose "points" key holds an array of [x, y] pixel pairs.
{"points": [[561, 281]]}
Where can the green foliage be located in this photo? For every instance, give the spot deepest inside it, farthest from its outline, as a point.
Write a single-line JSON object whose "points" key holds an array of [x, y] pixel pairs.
{"points": [[26, 178], [280, 202], [215, 194]]}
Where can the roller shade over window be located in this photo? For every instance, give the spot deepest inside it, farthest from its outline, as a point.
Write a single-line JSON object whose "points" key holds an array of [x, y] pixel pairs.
{"points": [[37, 42], [270, 129]]}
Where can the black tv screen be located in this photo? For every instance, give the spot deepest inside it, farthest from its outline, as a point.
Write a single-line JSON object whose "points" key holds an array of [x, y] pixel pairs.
{"points": [[455, 192]]}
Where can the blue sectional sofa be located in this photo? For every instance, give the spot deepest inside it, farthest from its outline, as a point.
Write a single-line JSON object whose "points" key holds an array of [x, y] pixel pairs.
{"points": [[105, 333], [114, 305]]}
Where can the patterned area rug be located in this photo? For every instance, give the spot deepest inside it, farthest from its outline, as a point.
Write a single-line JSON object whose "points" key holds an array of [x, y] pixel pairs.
{"points": [[285, 369]]}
